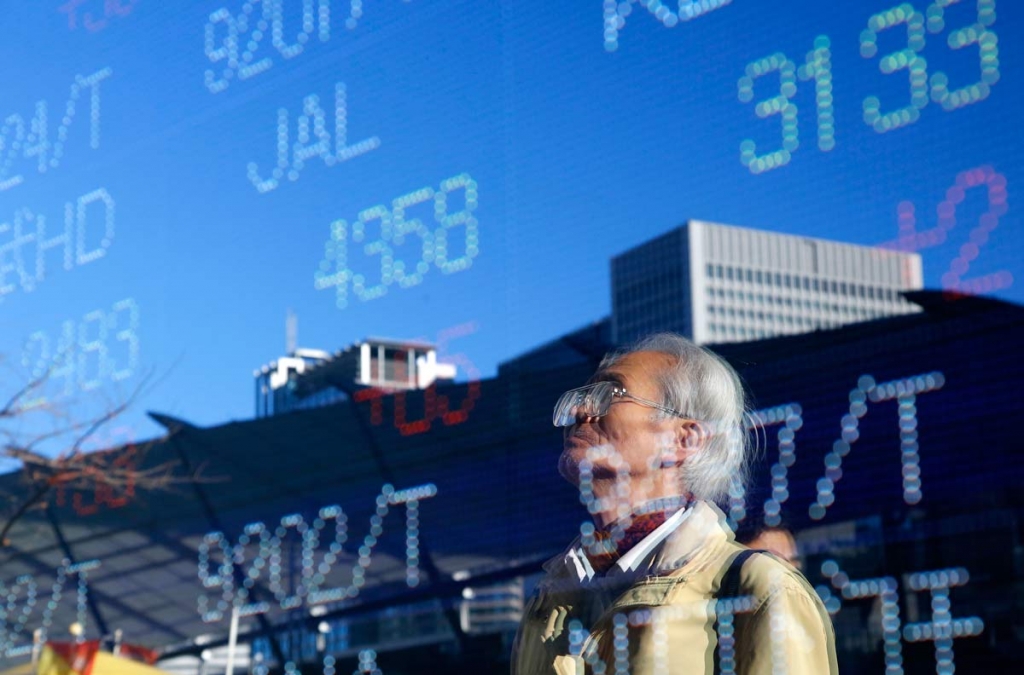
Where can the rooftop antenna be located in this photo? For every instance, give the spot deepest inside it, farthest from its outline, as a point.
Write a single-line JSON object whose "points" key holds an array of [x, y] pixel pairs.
{"points": [[291, 332]]}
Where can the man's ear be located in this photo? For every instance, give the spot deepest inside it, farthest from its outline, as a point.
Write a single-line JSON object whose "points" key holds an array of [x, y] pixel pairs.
{"points": [[686, 437], [690, 437]]}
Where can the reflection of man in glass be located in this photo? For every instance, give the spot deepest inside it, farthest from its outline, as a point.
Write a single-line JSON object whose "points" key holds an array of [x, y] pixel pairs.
{"points": [[658, 584], [778, 541]]}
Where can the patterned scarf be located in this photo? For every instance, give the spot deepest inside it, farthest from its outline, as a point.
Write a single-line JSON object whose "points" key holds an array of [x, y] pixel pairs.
{"points": [[608, 551]]}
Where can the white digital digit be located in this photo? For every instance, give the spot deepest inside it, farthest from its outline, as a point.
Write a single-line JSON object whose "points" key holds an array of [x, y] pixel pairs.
{"points": [[35, 357], [216, 574], [373, 247], [979, 33], [226, 51], [781, 104], [124, 324], [305, 27], [330, 556], [37, 143], [450, 220], [289, 598], [249, 65], [410, 274], [92, 348], [333, 271], [818, 67], [21, 602], [909, 58], [64, 358], [12, 136]]}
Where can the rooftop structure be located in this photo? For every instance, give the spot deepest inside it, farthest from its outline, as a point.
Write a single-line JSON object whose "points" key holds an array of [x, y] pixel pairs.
{"points": [[309, 378]]}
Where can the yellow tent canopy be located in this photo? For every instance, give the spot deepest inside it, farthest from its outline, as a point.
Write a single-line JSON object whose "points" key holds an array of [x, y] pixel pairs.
{"points": [[82, 659]]}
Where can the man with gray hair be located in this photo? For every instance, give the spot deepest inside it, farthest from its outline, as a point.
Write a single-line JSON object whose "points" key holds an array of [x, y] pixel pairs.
{"points": [[657, 584]]}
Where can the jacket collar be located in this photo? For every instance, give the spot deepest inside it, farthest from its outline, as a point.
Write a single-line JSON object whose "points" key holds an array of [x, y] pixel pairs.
{"points": [[692, 544]]}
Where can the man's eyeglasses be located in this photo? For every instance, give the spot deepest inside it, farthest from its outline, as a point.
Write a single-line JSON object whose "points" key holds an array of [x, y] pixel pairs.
{"points": [[594, 400]]}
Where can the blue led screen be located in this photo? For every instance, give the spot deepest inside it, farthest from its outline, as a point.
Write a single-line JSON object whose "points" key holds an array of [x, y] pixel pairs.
{"points": [[178, 178]]}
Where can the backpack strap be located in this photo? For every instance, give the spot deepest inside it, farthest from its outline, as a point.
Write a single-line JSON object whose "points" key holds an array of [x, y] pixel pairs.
{"points": [[730, 588]]}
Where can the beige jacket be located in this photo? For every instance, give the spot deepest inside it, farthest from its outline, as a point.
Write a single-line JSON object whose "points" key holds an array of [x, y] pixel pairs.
{"points": [[661, 619]]}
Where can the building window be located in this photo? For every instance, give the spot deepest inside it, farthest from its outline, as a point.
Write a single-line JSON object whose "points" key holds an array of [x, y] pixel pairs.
{"points": [[759, 275], [711, 271], [778, 279], [817, 286], [718, 271], [807, 284], [788, 281], [748, 275]]}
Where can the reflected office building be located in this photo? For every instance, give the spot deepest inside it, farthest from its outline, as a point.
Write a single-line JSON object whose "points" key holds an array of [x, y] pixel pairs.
{"points": [[379, 516], [720, 283]]}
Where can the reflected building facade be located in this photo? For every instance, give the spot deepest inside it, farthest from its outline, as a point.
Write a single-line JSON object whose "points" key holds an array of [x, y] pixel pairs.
{"points": [[311, 378], [719, 283]]}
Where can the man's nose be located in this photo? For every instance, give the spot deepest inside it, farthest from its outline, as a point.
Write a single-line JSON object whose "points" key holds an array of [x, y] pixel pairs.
{"points": [[580, 413]]}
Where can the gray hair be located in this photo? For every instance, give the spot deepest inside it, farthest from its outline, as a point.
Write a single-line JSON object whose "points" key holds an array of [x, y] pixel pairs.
{"points": [[703, 385]]}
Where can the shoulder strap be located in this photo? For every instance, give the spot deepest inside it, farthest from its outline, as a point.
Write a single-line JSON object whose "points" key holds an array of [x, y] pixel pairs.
{"points": [[730, 588]]}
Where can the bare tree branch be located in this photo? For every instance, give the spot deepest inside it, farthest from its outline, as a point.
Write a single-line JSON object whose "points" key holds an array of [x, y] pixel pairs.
{"points": [[117, 469], [13, 406]]}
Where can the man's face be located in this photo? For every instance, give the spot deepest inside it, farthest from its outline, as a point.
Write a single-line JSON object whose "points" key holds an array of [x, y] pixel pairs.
{"points": [[642, 437]]}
